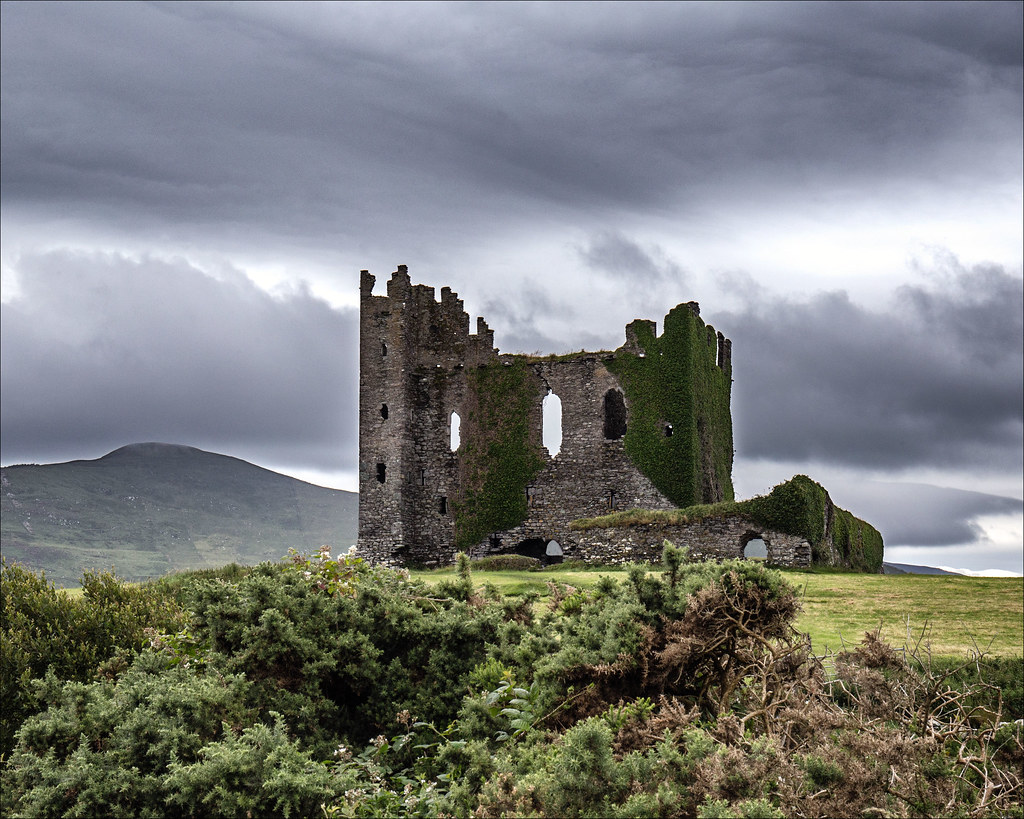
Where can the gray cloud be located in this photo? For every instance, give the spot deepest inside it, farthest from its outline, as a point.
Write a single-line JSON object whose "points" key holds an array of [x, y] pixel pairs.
{"points": [[311, 118], [910, 514], [100, 350], [593, 146], [936, 380], [613, 254]]}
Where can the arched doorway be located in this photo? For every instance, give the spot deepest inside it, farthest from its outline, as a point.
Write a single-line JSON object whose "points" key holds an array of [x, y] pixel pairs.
{"points": [[553, 552], [755, 548]]}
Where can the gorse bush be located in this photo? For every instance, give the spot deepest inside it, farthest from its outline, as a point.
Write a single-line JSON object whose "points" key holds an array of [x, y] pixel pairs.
{"points": [[326, 687], [44, 629]]}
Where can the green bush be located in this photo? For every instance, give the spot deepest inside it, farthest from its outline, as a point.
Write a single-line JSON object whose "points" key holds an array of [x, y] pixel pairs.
{"points": [[506, 563], [106, 749], [44, 629], [685, 693]]}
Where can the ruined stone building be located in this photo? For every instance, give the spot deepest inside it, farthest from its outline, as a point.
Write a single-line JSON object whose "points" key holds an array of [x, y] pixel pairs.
{"points": [[450, 432]]}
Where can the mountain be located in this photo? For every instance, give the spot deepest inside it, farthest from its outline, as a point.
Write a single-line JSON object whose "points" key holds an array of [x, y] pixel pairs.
{"points": [[148, 509], [907, 568]]}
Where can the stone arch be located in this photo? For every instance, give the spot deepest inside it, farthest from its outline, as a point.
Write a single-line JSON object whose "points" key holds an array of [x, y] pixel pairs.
{"points": [[754, 546], [535, 547], [614, 415], [545, 549], [553, 552]]}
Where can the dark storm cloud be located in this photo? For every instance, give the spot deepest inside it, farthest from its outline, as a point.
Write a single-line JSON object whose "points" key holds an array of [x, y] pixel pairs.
{"points": [[100, 350], [613, 254], [936, 380], [308, 119]]}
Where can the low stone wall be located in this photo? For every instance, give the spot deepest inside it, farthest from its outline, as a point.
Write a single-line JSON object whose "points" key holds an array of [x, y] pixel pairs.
{"points": [[716, 538]]}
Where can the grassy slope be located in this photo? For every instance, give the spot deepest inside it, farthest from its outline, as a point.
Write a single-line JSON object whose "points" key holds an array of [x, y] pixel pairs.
{"points": [[149, 509], [959, 612]]}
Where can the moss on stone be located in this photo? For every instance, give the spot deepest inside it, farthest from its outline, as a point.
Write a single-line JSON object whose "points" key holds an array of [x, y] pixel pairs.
{"points": [[680, 423], [497, 460], [800, 507]]}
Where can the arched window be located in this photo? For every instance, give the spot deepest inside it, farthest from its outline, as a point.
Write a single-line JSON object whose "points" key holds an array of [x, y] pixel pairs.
{"points": [[455, 426], [614, 415], [551, 413]]}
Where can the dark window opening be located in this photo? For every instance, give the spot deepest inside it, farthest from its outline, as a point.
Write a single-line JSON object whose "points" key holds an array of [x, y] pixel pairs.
{"points": [[614, 415], [494, 541], [384, 411], [668, 430], [443, 505], [423, 477], [612, 500], [435, 332], [381, 473], [383, 348]]}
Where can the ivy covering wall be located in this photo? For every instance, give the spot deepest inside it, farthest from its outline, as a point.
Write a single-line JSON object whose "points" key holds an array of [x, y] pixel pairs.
{"points": [[800, 506], [497, 458], [676, 387]]}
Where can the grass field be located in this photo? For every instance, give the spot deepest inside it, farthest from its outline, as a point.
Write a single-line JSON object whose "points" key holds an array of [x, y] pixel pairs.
{"points": [[950, 614]]}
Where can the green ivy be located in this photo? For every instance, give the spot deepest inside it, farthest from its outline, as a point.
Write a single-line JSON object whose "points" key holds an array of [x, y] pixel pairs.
{"points": [[676, 382], [498, 460], [796, 507]]}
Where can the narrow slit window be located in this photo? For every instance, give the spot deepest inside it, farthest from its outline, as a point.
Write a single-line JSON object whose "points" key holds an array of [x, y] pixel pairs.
{"points": [[383, 348], [384, 411], [442, 506], [382, 471]]}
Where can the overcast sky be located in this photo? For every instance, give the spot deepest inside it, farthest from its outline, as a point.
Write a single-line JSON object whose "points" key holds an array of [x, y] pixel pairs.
{"points": [[190, 190]]}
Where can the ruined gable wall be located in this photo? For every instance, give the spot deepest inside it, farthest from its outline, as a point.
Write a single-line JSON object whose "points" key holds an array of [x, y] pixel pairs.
{"points": [[719, 538], [591, 475]]}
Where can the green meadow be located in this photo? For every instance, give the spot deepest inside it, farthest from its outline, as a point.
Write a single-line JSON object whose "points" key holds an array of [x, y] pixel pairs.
{"points": [[947, 614]]}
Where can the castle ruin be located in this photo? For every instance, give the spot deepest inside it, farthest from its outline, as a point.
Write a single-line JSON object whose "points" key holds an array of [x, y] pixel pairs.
{"points": [[450, 432]]}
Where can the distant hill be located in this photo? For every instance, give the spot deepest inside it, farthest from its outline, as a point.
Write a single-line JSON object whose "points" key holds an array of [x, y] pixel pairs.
{"points": [[907, 568], [148, 509]]}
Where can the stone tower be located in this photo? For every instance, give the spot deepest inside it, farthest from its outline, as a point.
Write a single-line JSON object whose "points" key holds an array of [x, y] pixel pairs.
{"points": [[647, 425]]}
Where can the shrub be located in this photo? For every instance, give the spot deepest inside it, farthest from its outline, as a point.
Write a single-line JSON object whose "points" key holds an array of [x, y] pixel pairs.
{"points": [[43, 629], [506, 563]]}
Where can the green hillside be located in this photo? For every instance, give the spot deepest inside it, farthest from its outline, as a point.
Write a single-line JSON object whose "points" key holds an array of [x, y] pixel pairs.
{"points": [[147, 509]]}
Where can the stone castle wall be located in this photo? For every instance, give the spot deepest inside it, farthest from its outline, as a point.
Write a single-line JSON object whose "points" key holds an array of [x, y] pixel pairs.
{"points": [[719, 538], [415, 355]]}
